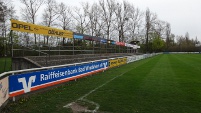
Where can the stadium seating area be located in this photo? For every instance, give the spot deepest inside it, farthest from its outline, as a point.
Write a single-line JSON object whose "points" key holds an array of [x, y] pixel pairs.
{"points": [[44, 61]]}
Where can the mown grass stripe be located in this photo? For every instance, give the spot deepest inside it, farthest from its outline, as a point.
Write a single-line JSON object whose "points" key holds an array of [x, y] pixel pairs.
{"points": [[152, 88], [190, 60]]}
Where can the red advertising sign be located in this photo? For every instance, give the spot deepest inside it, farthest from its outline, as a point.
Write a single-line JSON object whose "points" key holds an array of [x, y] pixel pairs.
{"points": [[120, 43]]}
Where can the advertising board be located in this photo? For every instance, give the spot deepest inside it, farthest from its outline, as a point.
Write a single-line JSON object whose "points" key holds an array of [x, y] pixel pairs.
{"points": [[131, 59], [38, 29], [113, 63], [27, 82], [3, 90], [78, 36], [117, 62]]}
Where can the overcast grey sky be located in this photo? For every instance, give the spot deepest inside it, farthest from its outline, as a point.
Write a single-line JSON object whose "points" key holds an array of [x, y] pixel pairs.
{"points": [[183, 15]]}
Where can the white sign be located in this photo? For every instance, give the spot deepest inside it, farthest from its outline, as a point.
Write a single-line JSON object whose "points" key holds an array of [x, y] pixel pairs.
{"points": [[3, 90]]}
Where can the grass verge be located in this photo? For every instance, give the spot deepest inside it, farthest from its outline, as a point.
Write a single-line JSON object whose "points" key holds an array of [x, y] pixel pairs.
{"points": [[5, 64]]}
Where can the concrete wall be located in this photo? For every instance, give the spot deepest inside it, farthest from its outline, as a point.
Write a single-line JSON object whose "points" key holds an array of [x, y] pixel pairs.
{"points": [[20, 63]]}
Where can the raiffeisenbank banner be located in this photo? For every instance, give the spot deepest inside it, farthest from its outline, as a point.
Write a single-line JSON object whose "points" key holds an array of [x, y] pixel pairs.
{"points": [[27, 82], [37, 29]]}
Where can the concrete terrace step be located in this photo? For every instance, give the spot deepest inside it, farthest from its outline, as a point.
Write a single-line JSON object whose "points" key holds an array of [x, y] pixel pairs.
{"points": [[69, 59]]}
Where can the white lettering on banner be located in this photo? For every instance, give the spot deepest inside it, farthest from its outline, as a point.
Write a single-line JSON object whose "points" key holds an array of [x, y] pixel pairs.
{"points": [[101, 64], [26, 87], [68, 72], [93, 67], [52, 75], [105, 65], [87, 68], [81, 69]]}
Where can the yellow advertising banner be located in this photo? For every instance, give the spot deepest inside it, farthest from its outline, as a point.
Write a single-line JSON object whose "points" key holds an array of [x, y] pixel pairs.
{"points": [[113, 63], [122, 61], [117, 62], [37, 29]]}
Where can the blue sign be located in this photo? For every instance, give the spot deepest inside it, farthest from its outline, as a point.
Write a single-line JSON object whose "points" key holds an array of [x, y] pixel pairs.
{"points": [[78, 37], [113, 42], [97, 39], [27, 82], [103, 41]]}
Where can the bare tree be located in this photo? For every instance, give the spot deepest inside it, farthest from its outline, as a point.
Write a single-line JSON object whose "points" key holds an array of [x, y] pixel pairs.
{"points": [[168, 35], [7, 12], [185, 44], [135, 22], [121, 12], [159, 27], [172, 39], [3, 14], [65, 17], [149, 22], [196, 40], [187, 38], [2, 9], [92, 19], [108, 9], [50, 15], [81, 18], [95, 22], [29, 12]]}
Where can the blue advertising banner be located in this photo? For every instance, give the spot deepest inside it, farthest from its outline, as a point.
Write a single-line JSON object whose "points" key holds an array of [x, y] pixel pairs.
{"points": [[113, 42], [78, 36], [97, 39], [103, 41], [24, 83]]}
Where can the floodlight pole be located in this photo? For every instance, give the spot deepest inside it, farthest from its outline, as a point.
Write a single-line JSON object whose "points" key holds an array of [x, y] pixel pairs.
{"points": [[93, 46]]}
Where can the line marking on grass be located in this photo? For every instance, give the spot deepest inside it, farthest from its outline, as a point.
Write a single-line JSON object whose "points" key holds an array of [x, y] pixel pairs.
{"points": [[86, 100]]}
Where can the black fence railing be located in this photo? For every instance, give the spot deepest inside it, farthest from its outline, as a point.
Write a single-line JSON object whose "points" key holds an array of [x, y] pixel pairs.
{"points": [[43, 50]]}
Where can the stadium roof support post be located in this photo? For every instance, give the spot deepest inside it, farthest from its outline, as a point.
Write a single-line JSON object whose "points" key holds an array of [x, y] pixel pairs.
{"points": [[106, 47], [115, 48], [93, 46], [73, 46], [119, 49], [39, 45], [100, 47], [127, 48], [11, 42]]}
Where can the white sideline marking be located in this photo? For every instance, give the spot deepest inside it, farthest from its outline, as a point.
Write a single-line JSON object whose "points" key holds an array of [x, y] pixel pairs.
{"points": [[97, 105]]}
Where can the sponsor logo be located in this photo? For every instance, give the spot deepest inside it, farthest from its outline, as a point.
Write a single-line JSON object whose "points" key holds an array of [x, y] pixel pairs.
{"points": [[54, 32], [21, 26], [105, 65], [27, 87]]}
